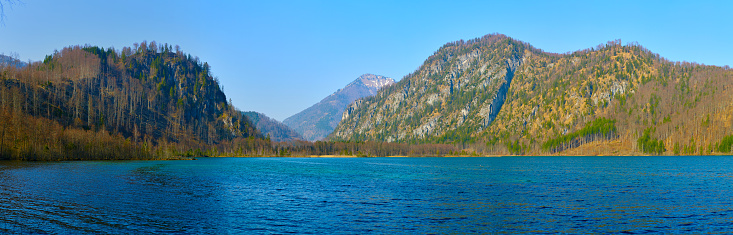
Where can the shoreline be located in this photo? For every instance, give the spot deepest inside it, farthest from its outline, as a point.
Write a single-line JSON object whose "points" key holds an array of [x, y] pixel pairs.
{"points": [[353, 156]]}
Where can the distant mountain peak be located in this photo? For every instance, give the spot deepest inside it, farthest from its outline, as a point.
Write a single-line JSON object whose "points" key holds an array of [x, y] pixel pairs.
{"points": [[11, 61], [319, 120], [374, 81]]}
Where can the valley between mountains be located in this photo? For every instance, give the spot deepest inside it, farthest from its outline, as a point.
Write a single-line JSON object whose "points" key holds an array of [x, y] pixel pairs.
{"points": [[492, 95]]}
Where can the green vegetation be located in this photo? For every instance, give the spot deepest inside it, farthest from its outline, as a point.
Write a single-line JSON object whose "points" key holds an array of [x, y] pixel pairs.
{"points": [[145, 102], [318, 121], [650, 145], [368, 149], [601, 127], [725, 144], [278, 131], [489, 92], [516, 147], [490, 95]]}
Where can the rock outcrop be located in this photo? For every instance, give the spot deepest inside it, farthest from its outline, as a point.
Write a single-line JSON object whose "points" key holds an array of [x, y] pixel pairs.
{"points": [[462, 86], [505, 95]]}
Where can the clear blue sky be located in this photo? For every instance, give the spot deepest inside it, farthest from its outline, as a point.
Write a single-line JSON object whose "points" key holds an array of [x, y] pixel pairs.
{"points": [[280, 57]]}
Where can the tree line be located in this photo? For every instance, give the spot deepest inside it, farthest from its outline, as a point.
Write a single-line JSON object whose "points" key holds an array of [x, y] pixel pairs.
{"points": [[149, 101]]}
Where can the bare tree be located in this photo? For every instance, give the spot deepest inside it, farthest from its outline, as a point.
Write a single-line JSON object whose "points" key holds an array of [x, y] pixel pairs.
{"points": [[4, 3]]}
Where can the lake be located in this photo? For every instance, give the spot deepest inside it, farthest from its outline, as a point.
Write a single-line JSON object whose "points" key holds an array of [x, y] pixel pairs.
{"points": [[370, 195]]}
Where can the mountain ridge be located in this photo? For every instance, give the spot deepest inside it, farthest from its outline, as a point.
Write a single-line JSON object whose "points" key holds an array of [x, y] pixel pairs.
{"points": [[500, 95], [317, 121], [136, 103], [11, 61], [275, 130]]}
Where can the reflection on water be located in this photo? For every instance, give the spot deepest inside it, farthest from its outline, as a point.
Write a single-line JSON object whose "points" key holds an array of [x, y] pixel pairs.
{"points": [[371, 195]]}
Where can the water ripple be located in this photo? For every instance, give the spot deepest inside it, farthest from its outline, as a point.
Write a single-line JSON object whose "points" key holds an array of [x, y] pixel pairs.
{"points": [[633, 195]]}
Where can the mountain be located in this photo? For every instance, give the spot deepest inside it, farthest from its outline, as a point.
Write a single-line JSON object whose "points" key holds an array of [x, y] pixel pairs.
{"points": [[10, 61], [138, 103], [499, 95], [319, 120], [277, 131]]}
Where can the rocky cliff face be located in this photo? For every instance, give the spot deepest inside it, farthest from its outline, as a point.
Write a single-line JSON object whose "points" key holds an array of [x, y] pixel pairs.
{"points": [[462, 86], [500, 94], [317, 121]]}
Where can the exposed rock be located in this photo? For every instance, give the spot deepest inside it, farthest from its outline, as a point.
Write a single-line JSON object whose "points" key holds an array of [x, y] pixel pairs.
{"points": [[435, 99], [498, 90]]}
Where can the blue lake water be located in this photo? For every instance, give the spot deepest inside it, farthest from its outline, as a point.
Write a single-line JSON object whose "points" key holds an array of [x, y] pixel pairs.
{"points": [[370, 195]]}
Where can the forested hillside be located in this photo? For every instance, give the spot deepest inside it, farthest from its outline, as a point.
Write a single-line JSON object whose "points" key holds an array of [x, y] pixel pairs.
{"points": [[271, 128], [148, 101], [499, 95], [490, 95]]}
